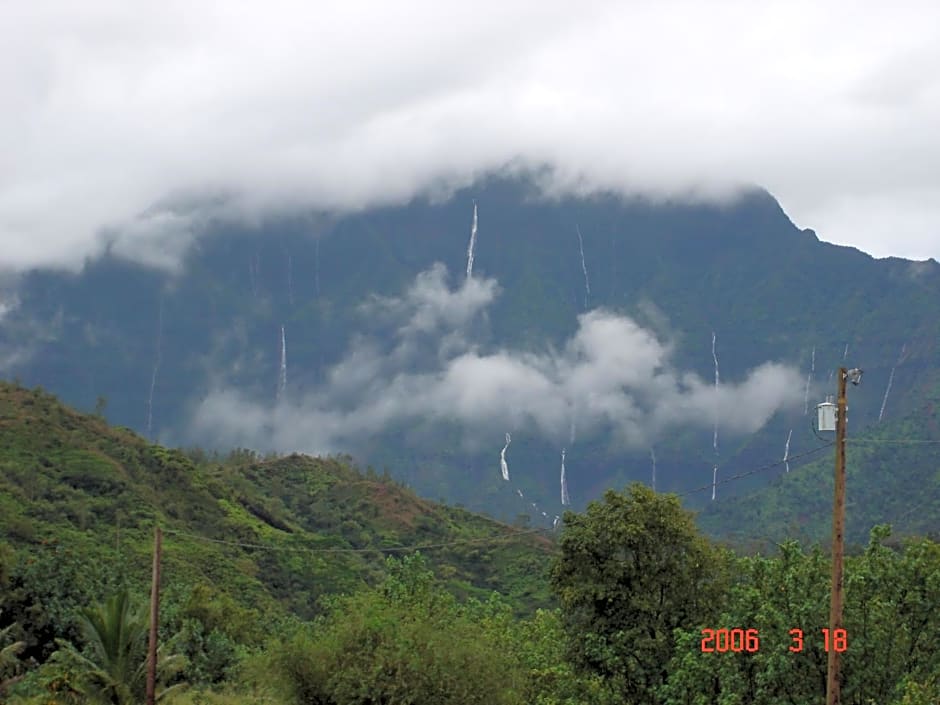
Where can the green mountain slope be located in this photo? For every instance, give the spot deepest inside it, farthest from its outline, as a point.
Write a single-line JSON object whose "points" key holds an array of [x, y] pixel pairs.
{"points": [[251, 543], [892, 477], [154, 344], [79, 499]]}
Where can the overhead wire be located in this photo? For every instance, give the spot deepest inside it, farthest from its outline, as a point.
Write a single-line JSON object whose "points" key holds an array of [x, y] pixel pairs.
{"points": [[762, 468], [911, 510], [479, 540], [514, 534], [375, 549], [447, 544], [894, 441], [495, 539]]}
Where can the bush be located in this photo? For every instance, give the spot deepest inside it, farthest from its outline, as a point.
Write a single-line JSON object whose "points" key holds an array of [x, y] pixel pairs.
{"points": [[405, 641]]}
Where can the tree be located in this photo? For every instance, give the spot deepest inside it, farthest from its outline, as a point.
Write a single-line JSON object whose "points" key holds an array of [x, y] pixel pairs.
{"points": [[112, 665], [10, 647], [44, 593], [891, 626], [10, 665], [632, 569], [211, 630], [914, 693], [405, 641], [537, 646], [892, 619], [770, 596]]}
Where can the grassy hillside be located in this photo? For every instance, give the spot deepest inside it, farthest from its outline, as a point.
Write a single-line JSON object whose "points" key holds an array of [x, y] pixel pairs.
{"points": [[78, 496], [252, 544]]}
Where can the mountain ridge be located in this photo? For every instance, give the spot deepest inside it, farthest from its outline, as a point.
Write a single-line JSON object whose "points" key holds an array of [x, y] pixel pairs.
{"points": [[741, 270]]}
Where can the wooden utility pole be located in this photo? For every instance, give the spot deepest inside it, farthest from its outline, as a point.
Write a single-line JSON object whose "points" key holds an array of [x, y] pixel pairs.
{"points": [[154, 619], [833, 687]]}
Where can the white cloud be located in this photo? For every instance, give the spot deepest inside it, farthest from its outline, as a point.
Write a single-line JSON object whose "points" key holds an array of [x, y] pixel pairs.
{"points": [[612, 375], [430, 308], [21, 337], [9, 302], [109, 109]]}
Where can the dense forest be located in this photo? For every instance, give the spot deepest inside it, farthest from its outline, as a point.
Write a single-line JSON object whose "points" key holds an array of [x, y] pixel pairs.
{"points": [[306, 580]]}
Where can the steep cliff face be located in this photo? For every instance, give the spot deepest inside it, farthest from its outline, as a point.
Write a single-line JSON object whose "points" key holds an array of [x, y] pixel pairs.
{"points": [[402, 363]]}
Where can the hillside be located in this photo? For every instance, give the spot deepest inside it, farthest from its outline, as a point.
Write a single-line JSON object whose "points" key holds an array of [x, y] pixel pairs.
{"points": [[275, 587], [266, 536], [194, 356], [892, 477]]}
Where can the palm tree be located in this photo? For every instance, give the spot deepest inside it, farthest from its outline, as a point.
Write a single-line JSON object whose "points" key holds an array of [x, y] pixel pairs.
{"points": [[113, 664]]}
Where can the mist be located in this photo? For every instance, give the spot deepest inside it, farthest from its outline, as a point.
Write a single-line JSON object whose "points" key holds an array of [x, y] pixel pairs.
{"points": [[612, 375], [134, 128]]}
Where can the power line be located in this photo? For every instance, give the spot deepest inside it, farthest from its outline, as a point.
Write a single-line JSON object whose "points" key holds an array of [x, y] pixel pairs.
{"points": [[514, 534], [762, 468], [900, 516], [391, 549], [894, 441], [827, 444]]}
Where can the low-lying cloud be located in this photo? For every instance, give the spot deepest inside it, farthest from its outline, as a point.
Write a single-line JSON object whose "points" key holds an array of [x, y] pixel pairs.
{"points": [[112, 116], [611, 375]]}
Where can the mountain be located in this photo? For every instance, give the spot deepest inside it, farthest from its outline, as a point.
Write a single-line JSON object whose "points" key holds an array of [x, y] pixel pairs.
{"points": [[398, 361], [892, 477], [251, 543], [80, 498]]}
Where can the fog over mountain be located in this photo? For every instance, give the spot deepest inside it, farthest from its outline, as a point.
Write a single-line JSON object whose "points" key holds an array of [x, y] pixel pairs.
{"points": [[611, 375], [614, 329], [462, 352], [413, 232], [140, 127]]}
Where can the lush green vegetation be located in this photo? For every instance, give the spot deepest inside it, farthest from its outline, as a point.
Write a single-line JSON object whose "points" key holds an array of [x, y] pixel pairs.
{"points": [[281, 585], [893, 476], [769, 290], [79, 499]]}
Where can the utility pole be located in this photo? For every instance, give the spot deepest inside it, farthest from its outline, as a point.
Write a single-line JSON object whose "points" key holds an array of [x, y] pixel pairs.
{"points": [[154, 618], [833, 687]]}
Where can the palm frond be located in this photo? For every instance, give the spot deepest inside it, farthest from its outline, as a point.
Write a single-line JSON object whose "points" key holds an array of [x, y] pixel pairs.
{"points": [[114, 661]]}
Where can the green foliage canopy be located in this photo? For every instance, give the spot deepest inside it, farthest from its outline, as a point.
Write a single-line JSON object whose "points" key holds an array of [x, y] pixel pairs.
{"points": [[633, 569], [404, 642]]}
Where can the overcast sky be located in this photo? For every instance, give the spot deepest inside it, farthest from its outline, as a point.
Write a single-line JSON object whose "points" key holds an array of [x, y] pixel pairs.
{"points": [[110, 108]]}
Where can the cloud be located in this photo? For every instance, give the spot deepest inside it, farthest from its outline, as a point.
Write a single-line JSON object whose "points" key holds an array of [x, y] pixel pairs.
{"points": [[9, 300], [110, 114], [611, 375], [13, 350], [22, 336], [430, 313]]}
